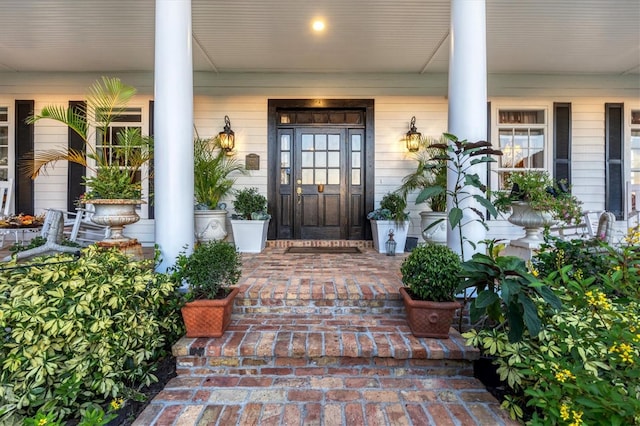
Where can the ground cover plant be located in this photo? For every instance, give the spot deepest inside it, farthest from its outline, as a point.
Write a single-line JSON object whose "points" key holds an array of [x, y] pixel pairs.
{"points": [[583, 366], [79, 336]]}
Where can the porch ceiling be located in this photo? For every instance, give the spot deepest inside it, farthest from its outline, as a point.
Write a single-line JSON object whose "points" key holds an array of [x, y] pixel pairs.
{"points": [[399, 36]]}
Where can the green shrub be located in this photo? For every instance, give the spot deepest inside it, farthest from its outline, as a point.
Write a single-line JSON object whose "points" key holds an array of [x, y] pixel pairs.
{"points": [[583, 367], [75, 332], [248, 202], [211, 269], [431, 272]]}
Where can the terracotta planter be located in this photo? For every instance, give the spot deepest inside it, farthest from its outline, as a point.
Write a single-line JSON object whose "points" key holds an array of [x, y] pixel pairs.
{"points": [[209, 317], [429, 319]]}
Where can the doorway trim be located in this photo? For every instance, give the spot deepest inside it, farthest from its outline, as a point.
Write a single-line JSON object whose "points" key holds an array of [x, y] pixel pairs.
{"points": [[275, 105]]}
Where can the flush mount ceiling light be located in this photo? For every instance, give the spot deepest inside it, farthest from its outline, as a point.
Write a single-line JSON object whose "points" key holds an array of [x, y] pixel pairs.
{"points": [[318, 25]]}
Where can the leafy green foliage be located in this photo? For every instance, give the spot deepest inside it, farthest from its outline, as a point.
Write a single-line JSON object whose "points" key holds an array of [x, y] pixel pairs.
{"points": [[212, 169], [461, 157], [76, 332], [249, 201], [583, 366], [430, 171], [431, 272], [392, 207], [115, 170], [210, 270], [506, 292]]}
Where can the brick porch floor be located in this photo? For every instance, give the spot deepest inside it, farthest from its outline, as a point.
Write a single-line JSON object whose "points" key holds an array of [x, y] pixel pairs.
{"points": [[322, 340]]}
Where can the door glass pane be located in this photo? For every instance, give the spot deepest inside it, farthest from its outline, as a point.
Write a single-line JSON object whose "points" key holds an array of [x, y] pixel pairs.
{"points": [[307, 142], [356, 143], [355, 160], [321, 176], [334, 142], [333, 176], [355, 177], [321, 142], [321, 159], [285, 175], [307, 176], [285, 142], [334, 159], [307, 159], [284, 159]]}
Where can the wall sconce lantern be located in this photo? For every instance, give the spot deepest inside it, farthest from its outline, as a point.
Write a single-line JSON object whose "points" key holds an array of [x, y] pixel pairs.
{"points": [[227, 136], [413, 137]]}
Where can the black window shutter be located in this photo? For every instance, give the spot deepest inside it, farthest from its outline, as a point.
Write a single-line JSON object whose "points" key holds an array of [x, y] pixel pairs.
{"points": [[562, 141], [24, 143], [151, 181], [75, 173], [614, 161]]}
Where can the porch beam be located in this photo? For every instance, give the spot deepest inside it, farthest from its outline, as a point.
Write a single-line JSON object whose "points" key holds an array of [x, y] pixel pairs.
{"points": [[173, 125], [467, 114]]}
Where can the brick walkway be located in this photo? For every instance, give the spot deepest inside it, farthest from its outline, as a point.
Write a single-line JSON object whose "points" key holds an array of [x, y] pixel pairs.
{"points": [[322, 340]]}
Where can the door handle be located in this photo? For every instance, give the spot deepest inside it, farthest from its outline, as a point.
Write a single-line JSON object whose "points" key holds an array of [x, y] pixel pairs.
{"points": [[299, 193]]}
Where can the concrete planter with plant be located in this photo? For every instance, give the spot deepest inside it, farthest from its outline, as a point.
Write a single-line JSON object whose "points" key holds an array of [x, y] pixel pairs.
{"points": [[250, 223]]}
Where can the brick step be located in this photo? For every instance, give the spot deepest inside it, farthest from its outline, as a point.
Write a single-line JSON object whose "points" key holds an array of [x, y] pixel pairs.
{"points": [[265, 338], [320, 243], [297, 304]]}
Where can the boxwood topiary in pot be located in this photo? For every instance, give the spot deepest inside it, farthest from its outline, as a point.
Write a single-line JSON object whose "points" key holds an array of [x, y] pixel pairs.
{"points": [[430, 274], [251, 221], [210, 272]]}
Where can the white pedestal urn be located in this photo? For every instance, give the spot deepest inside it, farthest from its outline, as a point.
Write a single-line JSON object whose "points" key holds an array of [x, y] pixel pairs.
{"points": [[210, 225], [115, 213], [533, 222], [380, 232], [436, 234]]}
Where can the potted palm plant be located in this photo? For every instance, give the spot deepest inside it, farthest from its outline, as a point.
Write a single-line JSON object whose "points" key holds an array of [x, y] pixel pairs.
{"points": [[431, 171], [390, 218], [213, 169], [113, 183], [251, 220], [430, 275], [210, 273]]}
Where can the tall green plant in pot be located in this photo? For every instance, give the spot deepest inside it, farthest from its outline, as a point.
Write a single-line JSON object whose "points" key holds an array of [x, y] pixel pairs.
{"points": [[431, 170], [214, 171], [430, 274], [251, 220], [390, 217], [113, 156], [210, 272]]}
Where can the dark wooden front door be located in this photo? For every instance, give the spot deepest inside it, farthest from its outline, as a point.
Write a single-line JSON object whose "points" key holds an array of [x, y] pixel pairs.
{"points": [[319, 187]]}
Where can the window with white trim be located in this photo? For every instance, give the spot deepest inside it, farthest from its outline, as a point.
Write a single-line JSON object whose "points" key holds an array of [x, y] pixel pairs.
{"points": [[522, 137], [129, 118], [4, 143], [635, 146]]}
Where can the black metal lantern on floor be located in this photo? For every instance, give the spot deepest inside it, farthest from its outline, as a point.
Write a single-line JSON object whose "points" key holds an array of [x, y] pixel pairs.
{"points": [[391, 244]]}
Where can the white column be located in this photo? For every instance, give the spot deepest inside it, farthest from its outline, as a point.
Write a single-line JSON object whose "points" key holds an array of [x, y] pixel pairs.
{"points": [[173, 130], [468, 99]]}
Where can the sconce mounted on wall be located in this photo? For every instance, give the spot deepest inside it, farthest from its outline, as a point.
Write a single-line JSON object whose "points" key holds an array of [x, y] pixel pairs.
{"points": [[227, 137], [412, 138]]}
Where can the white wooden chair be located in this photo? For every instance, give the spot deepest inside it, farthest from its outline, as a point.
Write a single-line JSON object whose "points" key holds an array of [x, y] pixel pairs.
{"points": [[6, 193], [633, 205], [80, 229]]}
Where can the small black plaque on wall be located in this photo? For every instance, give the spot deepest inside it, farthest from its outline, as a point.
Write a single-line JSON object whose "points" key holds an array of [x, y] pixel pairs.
{"points": [[252, 162]]}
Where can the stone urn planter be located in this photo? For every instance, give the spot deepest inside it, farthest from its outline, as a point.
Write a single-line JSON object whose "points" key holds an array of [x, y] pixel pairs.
{"points": [[436, 234], [533, 221], [116, 214], [210, 225]]}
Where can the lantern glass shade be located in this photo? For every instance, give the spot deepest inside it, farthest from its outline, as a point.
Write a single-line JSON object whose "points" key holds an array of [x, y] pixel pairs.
{"points": [[227, 136], [413, 136]]}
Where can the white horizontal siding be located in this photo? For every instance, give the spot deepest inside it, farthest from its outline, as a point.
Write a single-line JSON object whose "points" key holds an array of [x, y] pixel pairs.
{"points": [[244, 98]]}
